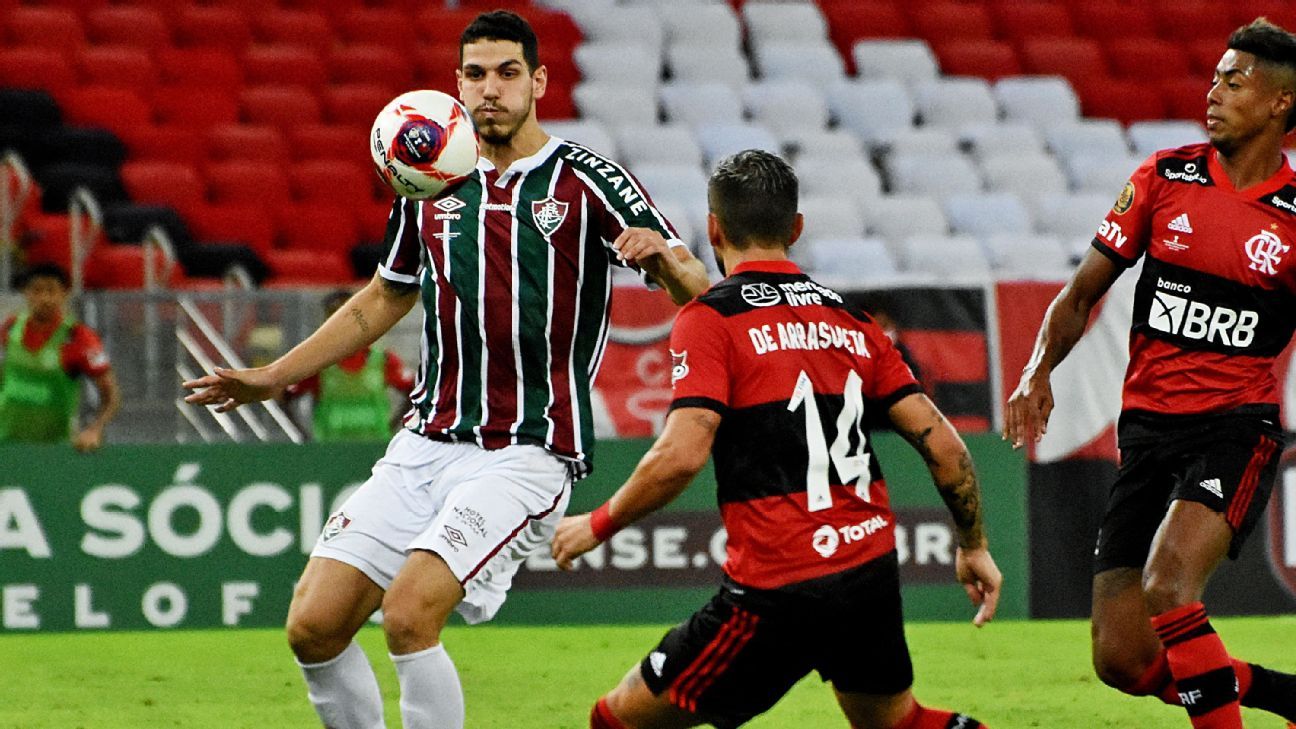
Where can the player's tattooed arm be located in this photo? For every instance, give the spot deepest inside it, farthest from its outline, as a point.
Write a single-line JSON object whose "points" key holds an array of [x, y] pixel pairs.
{"points": [[919, 421]]}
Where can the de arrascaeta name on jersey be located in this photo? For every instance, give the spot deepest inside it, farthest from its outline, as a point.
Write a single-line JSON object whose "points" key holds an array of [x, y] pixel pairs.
{"points": [[813, 335]]}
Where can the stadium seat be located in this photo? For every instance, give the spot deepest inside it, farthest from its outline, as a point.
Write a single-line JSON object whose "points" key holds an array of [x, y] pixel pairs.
{"points": [[875, 109], [355, 104], [851, 21], [246, 224], [719, 140], [768, 102], [615, 105], [59, 180], [713, 26], [213, 68], [984, 214], [434, 66], [951, 20], [1185, 98], [1147, 137], [987, 139], [317, 226], [284, 64], [280, 106], [297, 27], [893, 217], [833, 216], [1186, 20], [1070, 216], [1027, 174], [555, 30], [1111, 19], [1041, 100], [702, 64], [587, 133], [1018, 19], [1100, 174], [292, 268], [377, 26], [117, 66], [1147, 59], [1122, 100], [684, 184], [926, 141], [245, 141], [1026, 256], [700, 103], [951, 102], [633, 66], [634, 25], [166, 143], [39, 27], [247, 182], [988, 59], [1075, 58], [121, 266], [811, 63], [369, 64], [195, 106], [850, 262], [164, 183], [110, 107], [329, 141], [128, 25], [783, 23], [658, 144], [838, 143], [37, 68], [327, 180], [907, 60], [854, 178], [952, 256], [1086, 137], [938, 175], [199, 26]]}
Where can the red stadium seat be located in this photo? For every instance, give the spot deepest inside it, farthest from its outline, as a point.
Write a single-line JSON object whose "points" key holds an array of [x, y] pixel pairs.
{"points": [[281, 106], [47, 69], [80, 7], [210, 67], [442, 25], [246, 182], [1111, 19], [370, 64], [121, 266], [1018, 20], [303, 267], [282, 64], [985, 58], [246, 141], [371, 217], [166, 143], [128, 25], [111, 107], [246, 224], [377, 26], [119, 65], [1277, 11], [949, 21], [434, 66], [199, 26], [1185, 20], [1205, 54], [557, 103], [1185, 97], [48, 240], [330, 180], [198, 107], [1123, 100], [38, 27], [330, 141], [555, 30], [1075, 58], [318, 227], [356, 104], [850, 21], [164, 183], [306, 28], [1147, 58]]}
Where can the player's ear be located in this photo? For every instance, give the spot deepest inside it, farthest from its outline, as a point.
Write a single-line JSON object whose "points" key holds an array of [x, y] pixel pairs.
{"points": [[1282, 105], [539, 81], [798, 226], [714, 234]]}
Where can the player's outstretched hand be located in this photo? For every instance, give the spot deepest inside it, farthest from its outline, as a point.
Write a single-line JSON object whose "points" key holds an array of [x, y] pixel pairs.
{"points": [[573, 538], [227, 389], [638, 245], [1027, 414], [981, 579]]}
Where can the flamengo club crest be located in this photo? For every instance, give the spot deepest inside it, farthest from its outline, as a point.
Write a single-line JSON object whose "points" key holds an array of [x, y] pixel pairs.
{"points": [[1282, 527], [1265, 249], [548, 215]]}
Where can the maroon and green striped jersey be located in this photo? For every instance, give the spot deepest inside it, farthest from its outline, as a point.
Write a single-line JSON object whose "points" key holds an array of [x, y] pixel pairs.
{"points": [[516, 283]]}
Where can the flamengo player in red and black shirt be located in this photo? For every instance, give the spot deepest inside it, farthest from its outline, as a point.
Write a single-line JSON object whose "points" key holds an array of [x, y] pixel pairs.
{"points": [[1199, 431], [773, 375]]}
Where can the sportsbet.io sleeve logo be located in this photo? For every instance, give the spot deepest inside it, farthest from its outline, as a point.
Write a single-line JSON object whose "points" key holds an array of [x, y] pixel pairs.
{"points": [[679, 366], [1126, 199]]}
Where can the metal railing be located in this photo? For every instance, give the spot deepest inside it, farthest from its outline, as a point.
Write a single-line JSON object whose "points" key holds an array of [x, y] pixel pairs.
{"points": [[15, 188], [85, 219]]}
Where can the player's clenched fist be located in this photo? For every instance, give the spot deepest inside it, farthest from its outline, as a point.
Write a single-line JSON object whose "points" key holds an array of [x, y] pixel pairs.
{"points": [[573, 538], [1026, 416]]}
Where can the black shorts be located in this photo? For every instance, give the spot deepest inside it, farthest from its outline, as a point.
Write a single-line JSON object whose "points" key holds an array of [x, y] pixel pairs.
{"points": [[738, 655], [1225, 461]]}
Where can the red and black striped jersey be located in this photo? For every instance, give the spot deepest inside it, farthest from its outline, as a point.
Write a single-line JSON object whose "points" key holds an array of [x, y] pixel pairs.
{"points": [[792, 370], [1214, 304], [516, 280]]}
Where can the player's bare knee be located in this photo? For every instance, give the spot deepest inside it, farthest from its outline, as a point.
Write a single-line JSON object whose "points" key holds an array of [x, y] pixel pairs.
{"points": [[312, 641], [1165, 589], [411, 624]]}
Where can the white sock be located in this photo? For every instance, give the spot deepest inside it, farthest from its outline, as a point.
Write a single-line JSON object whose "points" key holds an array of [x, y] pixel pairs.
{"points": [[344, 690], [431, 697]]}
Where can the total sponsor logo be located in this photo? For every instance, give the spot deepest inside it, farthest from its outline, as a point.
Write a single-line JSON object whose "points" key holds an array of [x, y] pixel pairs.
{"points": [[1191, 319], [827, 539]]}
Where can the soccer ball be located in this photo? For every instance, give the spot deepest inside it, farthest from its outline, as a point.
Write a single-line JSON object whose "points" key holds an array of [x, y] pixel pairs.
{"points": [[423, 142]]}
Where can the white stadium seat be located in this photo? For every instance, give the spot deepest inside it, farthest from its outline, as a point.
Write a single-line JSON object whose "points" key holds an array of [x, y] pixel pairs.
{"points": [[874, 109], [658, 144], [701, 103], [921, 140], [849, 262], [895, 216], [703, 64], [721, 140], [958, 256], [830, 217], [1149, 136], [685, 185], [712, 25], [1041, 100], [638, 25], [782, 105], [615, 104], [637, 66], [1041, 257], [907, 60], [939, 175], [587, 133], [1072, 216], [838, 175], [837, 143], [817, 64], [985, 214], [1087, 137], [986, 139], [1028, 174], [1101, 174], [783, 21], [952, 102]]}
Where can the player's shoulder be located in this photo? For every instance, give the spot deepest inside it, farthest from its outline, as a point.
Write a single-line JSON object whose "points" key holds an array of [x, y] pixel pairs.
{"points": [[1186, 165], [592, 163]]}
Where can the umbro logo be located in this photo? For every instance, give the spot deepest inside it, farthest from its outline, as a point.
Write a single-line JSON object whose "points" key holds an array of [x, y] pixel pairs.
{"points": [[449, 204], [1181, 224], [1213, 485]]}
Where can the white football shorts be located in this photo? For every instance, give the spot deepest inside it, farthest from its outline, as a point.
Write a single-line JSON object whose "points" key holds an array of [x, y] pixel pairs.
{"points": [[481, 511]]}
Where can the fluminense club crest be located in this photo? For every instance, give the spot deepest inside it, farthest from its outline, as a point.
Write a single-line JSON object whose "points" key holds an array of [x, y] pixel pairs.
{"points": [[548, 214]]}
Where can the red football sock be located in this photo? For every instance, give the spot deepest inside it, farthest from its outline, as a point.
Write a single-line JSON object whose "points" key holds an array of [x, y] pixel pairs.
{"points": [[1157, 681], [924, 718], [601, 717], [1201, 667]]}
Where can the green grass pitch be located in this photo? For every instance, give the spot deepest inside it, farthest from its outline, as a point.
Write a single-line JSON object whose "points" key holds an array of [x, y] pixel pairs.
{"points": [[1011, 674]]}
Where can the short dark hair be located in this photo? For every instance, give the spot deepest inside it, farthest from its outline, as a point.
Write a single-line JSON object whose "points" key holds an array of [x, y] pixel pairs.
{"points": [[506, 26], [753, 194], [43, 270], [1271, 44]]}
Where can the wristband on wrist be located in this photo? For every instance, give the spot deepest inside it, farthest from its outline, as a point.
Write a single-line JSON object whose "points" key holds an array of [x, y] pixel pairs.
{"points": [[601, 523]]}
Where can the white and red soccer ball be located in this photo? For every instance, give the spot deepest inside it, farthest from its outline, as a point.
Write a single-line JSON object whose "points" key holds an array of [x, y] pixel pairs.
{"points": [[423, 142]]}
